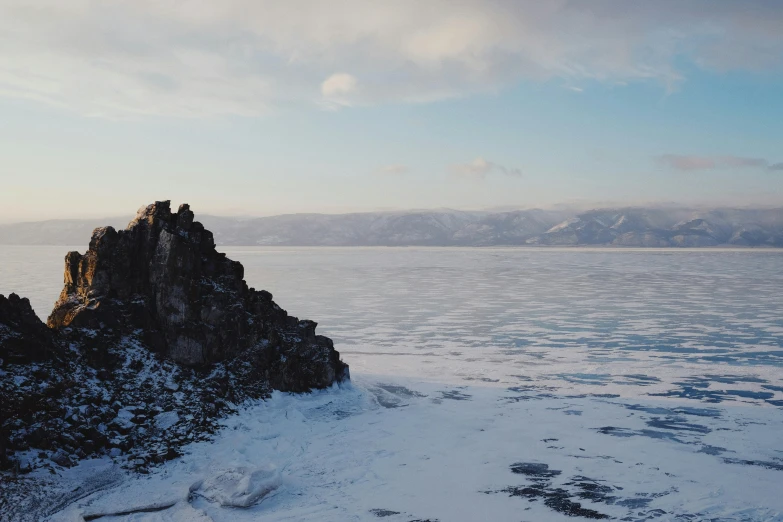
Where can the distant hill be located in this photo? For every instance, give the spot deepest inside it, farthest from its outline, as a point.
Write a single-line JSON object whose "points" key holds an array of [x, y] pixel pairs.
{"points": [[627, 227]]}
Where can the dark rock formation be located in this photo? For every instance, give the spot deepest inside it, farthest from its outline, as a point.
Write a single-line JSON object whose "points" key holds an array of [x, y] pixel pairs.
{"points": [[155, 336], [23, 337], [24, 340], [162, 275]]}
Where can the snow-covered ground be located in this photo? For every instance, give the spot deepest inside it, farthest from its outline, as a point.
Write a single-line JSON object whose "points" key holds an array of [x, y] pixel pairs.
{"points": [[496, 385], [425, 450]]}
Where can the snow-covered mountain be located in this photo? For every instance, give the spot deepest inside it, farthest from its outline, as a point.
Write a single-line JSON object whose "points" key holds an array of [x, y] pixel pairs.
{"points": [[629, 227]]}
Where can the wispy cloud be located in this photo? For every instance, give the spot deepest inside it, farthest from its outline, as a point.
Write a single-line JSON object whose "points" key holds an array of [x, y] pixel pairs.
{"points": [[196, 58], [393, 170], [480, 168], [690, 163]]}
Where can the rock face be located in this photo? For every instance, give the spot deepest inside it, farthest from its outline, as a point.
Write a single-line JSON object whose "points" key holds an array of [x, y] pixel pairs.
{"points": [[25, 342], [23, 337], [162, 275], [154, 337]]}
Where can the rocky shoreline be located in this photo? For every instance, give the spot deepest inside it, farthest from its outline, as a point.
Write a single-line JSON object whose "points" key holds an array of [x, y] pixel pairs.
{"points": [[155, 337]]}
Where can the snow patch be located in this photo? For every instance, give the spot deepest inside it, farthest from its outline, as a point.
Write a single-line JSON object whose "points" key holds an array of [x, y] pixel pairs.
{"points": [[166, 420], [240, 487]]}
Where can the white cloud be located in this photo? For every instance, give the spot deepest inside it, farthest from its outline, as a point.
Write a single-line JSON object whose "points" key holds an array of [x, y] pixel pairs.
{"points": [[394, 170], [202, 58], [338, 88], [480, 168]]}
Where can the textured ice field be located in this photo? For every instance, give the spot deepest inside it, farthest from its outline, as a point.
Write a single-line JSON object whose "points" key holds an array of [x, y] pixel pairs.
{"points": [[491, 384], [704, 324]]}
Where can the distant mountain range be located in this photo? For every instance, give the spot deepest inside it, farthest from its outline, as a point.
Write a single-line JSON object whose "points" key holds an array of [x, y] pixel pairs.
{"points": [[625, 227]]}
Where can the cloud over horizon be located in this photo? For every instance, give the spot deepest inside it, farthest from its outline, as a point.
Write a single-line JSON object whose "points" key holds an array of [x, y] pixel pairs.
{"points": [[244, 57], [394, 169], [480, 168], [693, 163]]}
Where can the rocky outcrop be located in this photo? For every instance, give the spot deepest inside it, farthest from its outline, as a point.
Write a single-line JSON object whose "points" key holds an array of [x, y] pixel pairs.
{"points": [[24, 342], [23, 337], [153, 339], [163, 276]]}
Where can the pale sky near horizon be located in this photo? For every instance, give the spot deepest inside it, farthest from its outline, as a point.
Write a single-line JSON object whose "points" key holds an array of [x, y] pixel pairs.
{"points": [[258, 107]]}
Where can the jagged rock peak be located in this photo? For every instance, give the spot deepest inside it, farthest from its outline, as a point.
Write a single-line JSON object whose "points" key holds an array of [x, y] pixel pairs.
{"points": [[162, 277]]}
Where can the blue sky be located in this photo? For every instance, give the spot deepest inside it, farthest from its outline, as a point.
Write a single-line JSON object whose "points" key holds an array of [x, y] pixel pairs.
{"points": [[261, 108]]}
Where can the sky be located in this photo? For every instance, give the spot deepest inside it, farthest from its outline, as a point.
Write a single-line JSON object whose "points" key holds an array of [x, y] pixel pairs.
{"points": [[257, 107]]}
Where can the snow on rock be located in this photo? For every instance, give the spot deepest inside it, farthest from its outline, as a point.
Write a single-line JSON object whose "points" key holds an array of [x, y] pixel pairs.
{"points": [[166, 420]]}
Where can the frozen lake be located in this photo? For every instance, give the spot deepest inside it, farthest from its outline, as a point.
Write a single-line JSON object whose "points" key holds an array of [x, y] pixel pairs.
{"points": [[620, 321], [500, 384]]}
